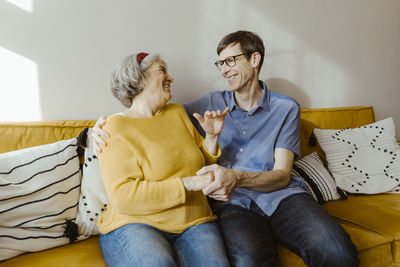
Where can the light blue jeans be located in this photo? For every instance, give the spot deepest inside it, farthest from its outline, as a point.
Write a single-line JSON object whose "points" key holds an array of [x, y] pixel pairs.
{"points": [[143, 245]]}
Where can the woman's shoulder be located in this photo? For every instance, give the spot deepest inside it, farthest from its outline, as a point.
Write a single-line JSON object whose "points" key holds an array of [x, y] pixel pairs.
{"points": [[175, 108], [116, 122], [177, 111]]}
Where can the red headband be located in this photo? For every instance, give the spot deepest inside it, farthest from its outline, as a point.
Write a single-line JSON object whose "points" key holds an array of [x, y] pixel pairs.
{"points": [[140, 57]]}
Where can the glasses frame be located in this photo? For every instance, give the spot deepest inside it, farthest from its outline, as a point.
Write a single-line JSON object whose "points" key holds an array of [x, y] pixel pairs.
{"points": [[220, 63]]}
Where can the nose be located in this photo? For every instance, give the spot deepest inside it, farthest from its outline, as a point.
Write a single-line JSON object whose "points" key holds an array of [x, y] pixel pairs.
{"points": [[170, 78]]}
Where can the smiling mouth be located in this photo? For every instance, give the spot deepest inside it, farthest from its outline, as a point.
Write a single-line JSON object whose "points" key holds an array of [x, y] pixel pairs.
{"points": [[166, 86], [230, 78]]}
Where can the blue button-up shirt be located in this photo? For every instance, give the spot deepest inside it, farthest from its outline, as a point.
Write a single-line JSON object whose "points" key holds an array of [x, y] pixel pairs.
{"points": [[249, 138]]}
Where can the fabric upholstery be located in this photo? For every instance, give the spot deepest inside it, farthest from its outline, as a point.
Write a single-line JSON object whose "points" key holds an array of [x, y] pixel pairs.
{"points": [[330, 118], [379, 247]]}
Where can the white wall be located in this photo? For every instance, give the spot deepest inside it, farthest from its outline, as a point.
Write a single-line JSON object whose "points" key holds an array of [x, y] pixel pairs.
{"points": [[56, 55]]}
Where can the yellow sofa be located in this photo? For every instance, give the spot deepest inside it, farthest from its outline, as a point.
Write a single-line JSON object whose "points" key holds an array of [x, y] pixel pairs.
{"points": [[373, 221]]}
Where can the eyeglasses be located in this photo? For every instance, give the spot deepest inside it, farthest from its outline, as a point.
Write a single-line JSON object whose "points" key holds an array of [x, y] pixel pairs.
{"points": [[230, 61]]}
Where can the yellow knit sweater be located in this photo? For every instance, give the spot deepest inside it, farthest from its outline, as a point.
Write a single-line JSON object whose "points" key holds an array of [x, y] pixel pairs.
{"points": [[142, 166]]}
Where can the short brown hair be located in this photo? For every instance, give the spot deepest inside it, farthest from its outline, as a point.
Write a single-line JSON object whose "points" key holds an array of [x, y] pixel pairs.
{"points": [[250, 42]]}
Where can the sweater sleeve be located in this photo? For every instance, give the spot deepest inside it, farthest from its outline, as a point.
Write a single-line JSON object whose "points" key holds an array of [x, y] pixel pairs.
{"points": [[127, 190], [210, 159]]}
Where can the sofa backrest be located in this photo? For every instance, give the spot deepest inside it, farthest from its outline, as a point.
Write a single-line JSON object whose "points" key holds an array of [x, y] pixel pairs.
{"points": [[19, 135], [330, 118]]}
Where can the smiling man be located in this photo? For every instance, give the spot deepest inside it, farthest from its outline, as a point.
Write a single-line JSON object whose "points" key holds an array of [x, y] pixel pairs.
{"points": [[256, 199]]}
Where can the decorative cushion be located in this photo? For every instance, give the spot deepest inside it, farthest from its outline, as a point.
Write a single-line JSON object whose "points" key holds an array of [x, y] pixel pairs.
{"points": [[365, 159], [319, 182], [93, 197], [39, 193]]}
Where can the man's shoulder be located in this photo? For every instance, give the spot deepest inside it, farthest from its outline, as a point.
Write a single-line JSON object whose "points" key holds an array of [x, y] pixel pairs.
{"points": [[211, 100], [210, 95], [283, 100]]}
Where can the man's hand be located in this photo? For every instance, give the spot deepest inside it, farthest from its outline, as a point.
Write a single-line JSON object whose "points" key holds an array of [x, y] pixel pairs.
{"points": [[212, 122], [196, 183], [224, 183], [98, 135]]}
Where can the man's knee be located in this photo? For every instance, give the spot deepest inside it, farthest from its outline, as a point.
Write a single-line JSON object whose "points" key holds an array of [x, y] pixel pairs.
{"points": [[332, 252]]}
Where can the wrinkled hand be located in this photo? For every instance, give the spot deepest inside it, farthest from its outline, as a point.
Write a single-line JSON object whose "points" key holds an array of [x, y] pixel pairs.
{"points": [[98, 135], [224, 183], [196, 183], [212, 122]]}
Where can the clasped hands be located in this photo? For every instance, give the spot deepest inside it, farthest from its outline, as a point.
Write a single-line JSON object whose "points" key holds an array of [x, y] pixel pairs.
{"points": [[214, 180]]}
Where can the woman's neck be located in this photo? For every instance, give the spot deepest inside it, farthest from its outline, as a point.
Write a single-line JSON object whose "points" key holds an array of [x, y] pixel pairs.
{"points": [[141, 109]]}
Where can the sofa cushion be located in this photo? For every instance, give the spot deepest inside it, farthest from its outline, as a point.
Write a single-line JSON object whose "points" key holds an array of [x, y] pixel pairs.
{"points": [[83, 253], [319, 182], [38, 197], [374, 249], [377, 213], [93, 197], [364, 159]]}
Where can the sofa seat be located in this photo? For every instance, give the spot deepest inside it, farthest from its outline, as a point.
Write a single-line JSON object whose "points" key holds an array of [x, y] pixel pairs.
{"points": [[379, 214], [374, 249], [83, 253]]}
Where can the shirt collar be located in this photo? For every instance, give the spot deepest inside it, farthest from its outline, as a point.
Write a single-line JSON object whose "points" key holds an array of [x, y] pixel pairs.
{"points": [[264, 103]]}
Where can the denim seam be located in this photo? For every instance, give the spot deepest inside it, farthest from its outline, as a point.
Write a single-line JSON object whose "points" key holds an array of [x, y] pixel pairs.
{"points": [[179, 256], [123, 248]]}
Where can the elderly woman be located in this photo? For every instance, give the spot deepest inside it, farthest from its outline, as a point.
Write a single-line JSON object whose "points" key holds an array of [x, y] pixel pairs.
{"points": [[157, 215]]}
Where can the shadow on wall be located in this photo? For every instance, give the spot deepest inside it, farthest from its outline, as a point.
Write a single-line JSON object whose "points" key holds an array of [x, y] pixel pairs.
{"points": [[290, 89], [75, 44]]}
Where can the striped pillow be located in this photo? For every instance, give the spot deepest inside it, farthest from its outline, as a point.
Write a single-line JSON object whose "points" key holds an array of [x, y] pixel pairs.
{"points": [[39, 192], [319, 182]]}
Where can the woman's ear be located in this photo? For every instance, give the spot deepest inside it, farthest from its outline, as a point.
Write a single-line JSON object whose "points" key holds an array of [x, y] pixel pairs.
{"points": [[255, 59]]}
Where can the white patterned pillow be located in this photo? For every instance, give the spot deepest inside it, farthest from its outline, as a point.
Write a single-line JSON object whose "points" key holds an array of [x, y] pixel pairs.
{"points": [[319, 182], [39, 193], [365, 159], [93, 197]]}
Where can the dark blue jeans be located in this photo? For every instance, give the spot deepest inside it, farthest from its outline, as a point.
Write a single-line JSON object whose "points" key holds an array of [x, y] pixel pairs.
{"points": [[299, 223], [142, 245]]}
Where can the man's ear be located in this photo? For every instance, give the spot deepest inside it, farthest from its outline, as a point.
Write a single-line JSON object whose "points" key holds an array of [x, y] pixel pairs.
{"points": [[255, 59]]}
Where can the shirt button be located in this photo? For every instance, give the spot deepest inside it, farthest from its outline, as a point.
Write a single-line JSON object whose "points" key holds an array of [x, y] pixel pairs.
{"points": [[246, 115], [244, 132], [241, 150], [251, 194]]}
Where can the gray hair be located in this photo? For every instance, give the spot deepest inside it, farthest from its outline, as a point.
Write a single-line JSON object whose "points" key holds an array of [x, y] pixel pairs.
{"points": [[127, 79]]}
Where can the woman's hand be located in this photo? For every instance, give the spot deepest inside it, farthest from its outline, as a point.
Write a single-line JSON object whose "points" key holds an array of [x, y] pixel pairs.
{"points": [[98, 135], [198, 182], [212, 122]]}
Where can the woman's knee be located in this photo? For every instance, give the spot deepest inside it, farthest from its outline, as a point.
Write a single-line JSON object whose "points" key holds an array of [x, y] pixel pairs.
{"points": [[136, 245]]}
